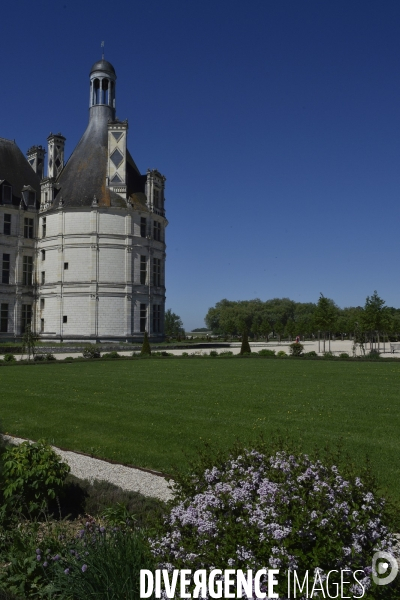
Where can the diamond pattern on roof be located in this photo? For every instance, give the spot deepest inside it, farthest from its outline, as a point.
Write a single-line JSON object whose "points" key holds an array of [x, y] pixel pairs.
{"points": [[116, 158], [117, 135], [116, 179]]}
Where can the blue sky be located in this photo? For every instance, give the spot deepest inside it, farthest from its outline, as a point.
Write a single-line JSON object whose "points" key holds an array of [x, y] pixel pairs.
{"points": [[277, 125]]}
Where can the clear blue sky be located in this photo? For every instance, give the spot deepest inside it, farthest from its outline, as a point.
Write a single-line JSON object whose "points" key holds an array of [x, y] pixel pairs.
{"points": [[277, 125]]}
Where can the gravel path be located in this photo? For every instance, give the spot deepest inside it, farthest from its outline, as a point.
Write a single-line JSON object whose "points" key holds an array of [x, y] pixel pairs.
{"points": [[127, 478]]}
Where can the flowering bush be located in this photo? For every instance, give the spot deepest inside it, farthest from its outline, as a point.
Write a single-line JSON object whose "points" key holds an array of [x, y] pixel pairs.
{"points": [[286, 512]]}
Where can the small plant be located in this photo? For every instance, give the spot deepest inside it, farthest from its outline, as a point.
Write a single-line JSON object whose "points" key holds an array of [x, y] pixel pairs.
{"points": [[69, 358], [213, 353], [118, 515], [344, 355], [226, 353], [281, 354], [9, 357], [50, 356], [38, 357], [112, 354], [90, 351], [146, 350], [33, 474], [310, 354], [185, 354], [266, 352], [328, 355], [296, 349]]}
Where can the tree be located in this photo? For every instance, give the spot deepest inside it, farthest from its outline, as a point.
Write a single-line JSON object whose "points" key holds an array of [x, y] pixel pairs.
{"points": [[325, 315], [146, 350], [29, 340], [279, 328], [173, 326], [375, 318], [291, 328]]}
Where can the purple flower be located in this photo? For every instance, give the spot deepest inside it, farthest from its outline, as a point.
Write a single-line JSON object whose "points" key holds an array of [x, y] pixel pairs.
{"points": [[38, 557], [66, 572], [56, 557], [102, 529], [84, 568], [38, 551], [45, 564]]}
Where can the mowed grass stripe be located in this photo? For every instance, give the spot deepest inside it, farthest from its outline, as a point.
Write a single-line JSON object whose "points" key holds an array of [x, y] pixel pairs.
{"points": [[157, 413]]}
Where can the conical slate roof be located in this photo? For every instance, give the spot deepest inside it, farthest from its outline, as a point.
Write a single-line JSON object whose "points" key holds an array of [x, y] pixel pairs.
{"points": [[84, 175], [16, 170]]}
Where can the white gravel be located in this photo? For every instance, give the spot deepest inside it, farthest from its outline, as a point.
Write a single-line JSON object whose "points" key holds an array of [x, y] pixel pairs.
{"points": [[127, 478]]}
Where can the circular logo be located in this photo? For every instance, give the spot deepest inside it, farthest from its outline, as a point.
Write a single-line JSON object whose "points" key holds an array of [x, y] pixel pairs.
{"points": [[384, 568]]}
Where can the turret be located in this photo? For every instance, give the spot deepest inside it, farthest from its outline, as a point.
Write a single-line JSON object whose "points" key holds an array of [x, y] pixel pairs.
{"points": [[55, 158], [102, 90]]}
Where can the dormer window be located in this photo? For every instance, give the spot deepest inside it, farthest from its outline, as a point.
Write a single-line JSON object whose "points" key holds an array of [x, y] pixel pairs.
{"points": [[7, 194]]}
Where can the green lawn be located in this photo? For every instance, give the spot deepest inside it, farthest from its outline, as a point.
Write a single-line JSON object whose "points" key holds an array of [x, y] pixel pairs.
{"points": [[157, 413]]}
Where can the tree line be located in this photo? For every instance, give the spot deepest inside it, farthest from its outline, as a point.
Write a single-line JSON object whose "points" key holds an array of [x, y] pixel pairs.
{"points": [[284, 317]]}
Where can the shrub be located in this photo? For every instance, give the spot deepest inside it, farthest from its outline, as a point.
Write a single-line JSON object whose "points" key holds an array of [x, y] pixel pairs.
{"points": [[112, 354], [328, 355], [281, 354], [50, 356], [310, 354], [296, 349], [69, 358], [38, 357], [284, 511], [266, 352], [245, 347], [185, 354], [213, 353], [344, 355], [9, 357], [33, 474], [146, 350], [226, 353], [373, 354], [90, 351]]}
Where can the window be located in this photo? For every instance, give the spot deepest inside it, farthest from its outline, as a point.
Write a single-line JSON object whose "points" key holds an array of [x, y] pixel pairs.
{"points": [[43, 277], [156, 198], [44, 227], [157, 231], [28, 228], [143, 269], [27, 269], [7, 225], [41, 303], [156, 318], [43, 254], [143, 315], [26, 317], [143, 227], [7, 194], [5, 273], [4, 318], [65, 319], [65, 266], [157, 271], [41, 325]]}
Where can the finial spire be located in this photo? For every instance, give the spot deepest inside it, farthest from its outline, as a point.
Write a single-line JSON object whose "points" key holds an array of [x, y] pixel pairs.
{"points": [[102, 54]]}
